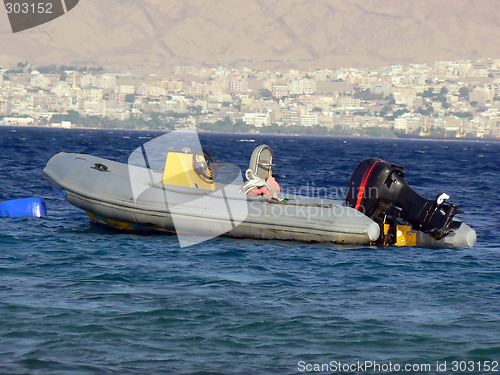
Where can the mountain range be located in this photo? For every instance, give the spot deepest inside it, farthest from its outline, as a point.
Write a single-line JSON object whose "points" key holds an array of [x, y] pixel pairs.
{"points": [[155, 35]]}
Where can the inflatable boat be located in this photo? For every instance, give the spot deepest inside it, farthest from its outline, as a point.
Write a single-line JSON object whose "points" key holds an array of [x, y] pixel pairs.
{"points": [[190, 196]]}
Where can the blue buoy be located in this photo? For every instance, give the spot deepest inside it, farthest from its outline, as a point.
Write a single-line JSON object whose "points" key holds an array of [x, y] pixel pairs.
{"points": [[33, 207]]}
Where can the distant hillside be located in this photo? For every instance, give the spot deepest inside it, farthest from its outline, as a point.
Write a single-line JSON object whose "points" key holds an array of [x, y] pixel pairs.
{"points": [[156, 34]]}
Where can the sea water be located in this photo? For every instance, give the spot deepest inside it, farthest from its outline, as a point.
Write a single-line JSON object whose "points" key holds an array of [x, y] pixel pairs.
{"points": [[76, 298]]}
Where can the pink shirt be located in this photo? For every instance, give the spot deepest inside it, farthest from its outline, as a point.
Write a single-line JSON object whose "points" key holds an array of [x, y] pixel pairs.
{"points": [[271, 181]]}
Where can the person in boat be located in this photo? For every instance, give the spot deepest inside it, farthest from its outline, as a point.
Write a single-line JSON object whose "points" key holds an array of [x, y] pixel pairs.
{"points": [[260, 180]]}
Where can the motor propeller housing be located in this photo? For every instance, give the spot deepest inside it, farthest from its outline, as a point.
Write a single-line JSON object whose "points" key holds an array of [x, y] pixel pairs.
{"points": [[379, 189]]}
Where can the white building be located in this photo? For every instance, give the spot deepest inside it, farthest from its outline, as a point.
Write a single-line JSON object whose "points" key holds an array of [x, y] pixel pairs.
{"points": [[89, 80], [290, 117], [309, 119], [127, 89], [408, 123], [195, 89], [107, 81], [302, 86], [62, 89], [238, 85], [177, 104], [257, 119], [40, 81], [17, 121], [349, 102], [92, 93], [481, 95]]}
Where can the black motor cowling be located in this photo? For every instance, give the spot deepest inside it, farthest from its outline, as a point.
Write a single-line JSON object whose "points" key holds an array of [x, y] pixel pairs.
{"points": [[378, 189]]}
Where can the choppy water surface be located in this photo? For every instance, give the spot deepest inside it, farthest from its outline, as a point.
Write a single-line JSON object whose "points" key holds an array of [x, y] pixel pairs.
{"points": [[79, 299]]}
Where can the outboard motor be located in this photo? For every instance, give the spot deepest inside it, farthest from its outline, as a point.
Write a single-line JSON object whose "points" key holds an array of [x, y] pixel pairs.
{"points": [[378, 189]]}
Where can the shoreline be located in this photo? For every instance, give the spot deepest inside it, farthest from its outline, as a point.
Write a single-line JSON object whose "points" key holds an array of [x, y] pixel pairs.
{"points": [[260, 134]]}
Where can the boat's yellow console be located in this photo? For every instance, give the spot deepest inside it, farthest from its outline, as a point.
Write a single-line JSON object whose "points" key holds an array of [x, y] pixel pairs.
{"points": [[179, 170]]}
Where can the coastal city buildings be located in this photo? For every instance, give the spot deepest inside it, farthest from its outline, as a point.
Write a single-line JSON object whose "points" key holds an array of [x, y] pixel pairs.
{"points": [[454, 99]]}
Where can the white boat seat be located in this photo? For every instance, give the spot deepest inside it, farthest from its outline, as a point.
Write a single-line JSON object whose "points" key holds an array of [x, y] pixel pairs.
{"points": [[261, 161], [259, 170]]}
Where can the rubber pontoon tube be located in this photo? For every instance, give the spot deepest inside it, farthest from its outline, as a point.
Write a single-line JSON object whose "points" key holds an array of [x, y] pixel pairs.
{"points": [[463, 236]]}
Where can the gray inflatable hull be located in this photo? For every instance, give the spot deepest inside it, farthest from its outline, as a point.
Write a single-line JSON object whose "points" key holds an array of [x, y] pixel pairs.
{"points": [[108, 197], [133, 198]]}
